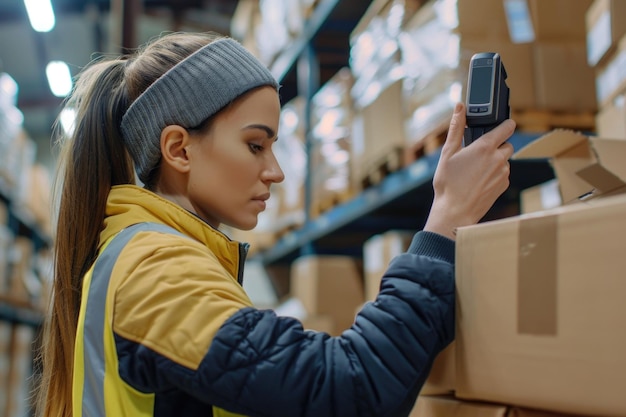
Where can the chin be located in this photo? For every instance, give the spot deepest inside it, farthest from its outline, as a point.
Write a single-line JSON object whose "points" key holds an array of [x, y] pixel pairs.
{"points": [[245, 225]]}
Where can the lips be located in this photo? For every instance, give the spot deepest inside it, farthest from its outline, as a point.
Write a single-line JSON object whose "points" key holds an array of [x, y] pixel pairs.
{"points": [[262, 197]]}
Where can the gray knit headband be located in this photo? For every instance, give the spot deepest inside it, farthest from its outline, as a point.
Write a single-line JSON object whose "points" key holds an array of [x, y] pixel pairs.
{"points": [[186, 95]]}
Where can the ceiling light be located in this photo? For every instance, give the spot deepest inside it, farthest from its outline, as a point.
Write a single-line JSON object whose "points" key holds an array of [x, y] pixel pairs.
{"points": [[40, 14], [59, 78]]}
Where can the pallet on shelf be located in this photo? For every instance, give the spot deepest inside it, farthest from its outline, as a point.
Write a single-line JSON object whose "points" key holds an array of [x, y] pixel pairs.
{"points": [[285, 223], [328, 201], [426, 145], [377, 171], [533, 121]]}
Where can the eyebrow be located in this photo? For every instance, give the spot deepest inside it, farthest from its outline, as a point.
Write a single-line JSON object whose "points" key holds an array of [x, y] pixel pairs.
{"points": [[268, 130]]}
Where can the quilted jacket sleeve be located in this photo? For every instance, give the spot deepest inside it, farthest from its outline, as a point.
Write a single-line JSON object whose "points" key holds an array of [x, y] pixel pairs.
{"points": [[263, 365]]}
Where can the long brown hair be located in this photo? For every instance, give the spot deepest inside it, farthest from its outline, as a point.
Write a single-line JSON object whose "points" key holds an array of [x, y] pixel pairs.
{"points": [[92, 159]]}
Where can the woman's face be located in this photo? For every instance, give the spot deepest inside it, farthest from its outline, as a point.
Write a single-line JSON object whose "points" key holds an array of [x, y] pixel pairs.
{"points": [[232, 166]]}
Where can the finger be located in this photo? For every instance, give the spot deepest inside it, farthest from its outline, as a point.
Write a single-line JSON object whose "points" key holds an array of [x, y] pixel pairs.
{"points": [[507, 150], [454, 139], [501, 133]]}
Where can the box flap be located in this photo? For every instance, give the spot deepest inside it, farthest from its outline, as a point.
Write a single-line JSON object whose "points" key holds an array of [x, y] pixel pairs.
{"points": [[611, 153], [609, 172], [569, 152], [601, 178], [551, 144], [571, 185], [582, 164]]}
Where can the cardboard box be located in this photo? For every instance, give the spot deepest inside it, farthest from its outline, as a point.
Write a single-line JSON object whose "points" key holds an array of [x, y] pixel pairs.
{"points": [[291, 154], [585, 166], [540, 305], [443, 406], [328, 285], [606, 24], [22, 284], [294, 307], [563, 80], [378, 132], [378, 251], [525, 412], [611, 119], [482, 18], [19, 391], [319, 323], [559, 19], [442, 377], [611, 75], [540, 197]]}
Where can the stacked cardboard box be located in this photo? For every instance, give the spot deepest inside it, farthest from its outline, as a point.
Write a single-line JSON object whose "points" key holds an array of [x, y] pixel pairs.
{"points": [[409, 76], [378, 251], [539, 295], [267, 27], [16, 362], [537, 39], [18, 383], [330, 143], [375, 61], [559, 44], [606, 52], [448, 406], [539, 308], [290, 153], [330, 289], [5, 363]]}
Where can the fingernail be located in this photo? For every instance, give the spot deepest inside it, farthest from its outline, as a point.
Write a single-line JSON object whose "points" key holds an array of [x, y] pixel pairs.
{"points": [[458, 107]]}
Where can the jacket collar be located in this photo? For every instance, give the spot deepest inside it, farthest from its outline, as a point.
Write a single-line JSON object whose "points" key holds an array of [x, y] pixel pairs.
{"points": [[130, 204]]}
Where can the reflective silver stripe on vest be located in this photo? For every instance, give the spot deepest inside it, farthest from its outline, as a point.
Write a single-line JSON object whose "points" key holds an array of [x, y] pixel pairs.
{"points": [[93, 388]]}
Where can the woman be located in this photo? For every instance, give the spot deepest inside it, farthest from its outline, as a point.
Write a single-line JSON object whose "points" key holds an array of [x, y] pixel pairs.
{"points": [[148, 315]]}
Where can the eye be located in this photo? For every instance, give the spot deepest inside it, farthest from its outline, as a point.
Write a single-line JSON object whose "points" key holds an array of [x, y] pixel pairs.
{"points": [[254, 148]]}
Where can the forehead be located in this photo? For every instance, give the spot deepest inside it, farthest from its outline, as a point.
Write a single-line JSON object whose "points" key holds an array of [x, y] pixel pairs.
{"points": [[261, 105]]}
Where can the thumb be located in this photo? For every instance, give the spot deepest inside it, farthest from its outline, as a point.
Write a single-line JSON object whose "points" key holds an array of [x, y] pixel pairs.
{"points": [[454, 139]]}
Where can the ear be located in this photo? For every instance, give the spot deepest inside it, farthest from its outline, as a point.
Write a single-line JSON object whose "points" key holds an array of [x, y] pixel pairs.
{"points": [[174, 140]]}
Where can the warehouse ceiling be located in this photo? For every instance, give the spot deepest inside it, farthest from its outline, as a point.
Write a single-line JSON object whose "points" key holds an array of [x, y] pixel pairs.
{"points": [[87, 28], [83, 29]]}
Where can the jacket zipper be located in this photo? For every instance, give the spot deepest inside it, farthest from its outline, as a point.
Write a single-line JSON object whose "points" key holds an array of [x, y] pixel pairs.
{"points": [[243, 253]]}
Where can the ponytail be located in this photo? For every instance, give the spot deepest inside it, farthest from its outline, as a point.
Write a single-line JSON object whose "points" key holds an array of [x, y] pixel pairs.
{"points": [[92, 160]]}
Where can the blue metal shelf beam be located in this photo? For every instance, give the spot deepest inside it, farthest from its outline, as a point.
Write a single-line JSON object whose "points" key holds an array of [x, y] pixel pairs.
{"points": [[415, 178], [19, 315], [285, 61]]}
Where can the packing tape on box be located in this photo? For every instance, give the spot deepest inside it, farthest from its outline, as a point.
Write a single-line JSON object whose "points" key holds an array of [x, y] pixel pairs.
{"points": [[537, 276]]}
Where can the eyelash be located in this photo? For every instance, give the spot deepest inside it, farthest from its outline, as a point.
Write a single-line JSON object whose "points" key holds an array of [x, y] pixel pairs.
{"points": [[254, 148]]}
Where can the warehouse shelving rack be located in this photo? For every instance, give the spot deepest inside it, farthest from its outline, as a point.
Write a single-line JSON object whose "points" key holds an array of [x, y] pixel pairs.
{"points": [[21, 225], [402, 199]]}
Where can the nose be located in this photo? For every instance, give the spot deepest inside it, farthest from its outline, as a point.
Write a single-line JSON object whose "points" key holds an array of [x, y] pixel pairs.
{"points": [[272, 172]]}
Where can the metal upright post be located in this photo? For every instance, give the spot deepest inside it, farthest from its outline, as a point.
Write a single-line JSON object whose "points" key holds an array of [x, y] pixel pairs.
{"points": [[308, 83]]}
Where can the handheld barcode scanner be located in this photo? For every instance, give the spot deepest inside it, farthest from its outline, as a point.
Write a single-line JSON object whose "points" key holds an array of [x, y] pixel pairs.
{"points": [[487, 100]]}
